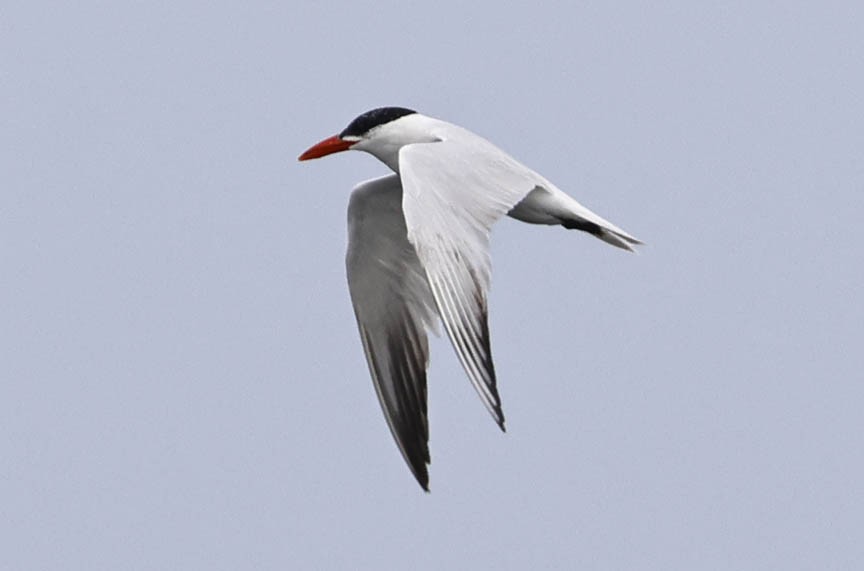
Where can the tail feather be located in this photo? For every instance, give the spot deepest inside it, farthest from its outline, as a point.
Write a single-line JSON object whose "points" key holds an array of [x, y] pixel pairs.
{"points": [[625, 242], [547, 204], [614, 236]]}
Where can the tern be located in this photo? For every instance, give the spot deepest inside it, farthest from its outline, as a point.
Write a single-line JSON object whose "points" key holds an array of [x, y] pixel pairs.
{"points": [[418, 252]]}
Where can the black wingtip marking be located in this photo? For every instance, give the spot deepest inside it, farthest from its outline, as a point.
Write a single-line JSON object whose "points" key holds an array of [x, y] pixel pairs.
{"points": [[421, 472], [408, 423], [488, 362]]}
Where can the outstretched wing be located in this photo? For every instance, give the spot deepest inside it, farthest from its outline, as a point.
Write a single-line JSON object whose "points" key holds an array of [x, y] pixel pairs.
{"points": [[394, 308], [454, 191]]}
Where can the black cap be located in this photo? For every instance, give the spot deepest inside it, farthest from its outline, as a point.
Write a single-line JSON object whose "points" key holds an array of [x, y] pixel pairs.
{"points": [[371, 119]]}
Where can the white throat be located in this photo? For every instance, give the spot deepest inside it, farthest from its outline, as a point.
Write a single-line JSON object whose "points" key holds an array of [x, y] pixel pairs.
{"points": [[385, 141]]}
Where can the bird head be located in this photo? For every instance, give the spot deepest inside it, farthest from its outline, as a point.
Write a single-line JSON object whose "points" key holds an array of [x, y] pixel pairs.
{"points": [[380, 132]]}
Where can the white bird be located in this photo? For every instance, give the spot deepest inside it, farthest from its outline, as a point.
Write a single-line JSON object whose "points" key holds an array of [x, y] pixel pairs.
{"points": [[418, 250]]}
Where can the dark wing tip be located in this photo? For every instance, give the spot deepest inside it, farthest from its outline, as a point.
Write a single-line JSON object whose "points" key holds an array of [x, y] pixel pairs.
{"points": [[404, 404], [421, 473], [488, 363], [424, 483], [418, 461]]}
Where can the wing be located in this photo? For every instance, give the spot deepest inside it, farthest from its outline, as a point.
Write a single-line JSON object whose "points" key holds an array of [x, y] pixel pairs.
{"points": [[394, 307], [454, 191]]}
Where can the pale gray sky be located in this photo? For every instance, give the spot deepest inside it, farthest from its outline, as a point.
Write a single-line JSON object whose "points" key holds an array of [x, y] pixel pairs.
{"points": [[182, 383]]}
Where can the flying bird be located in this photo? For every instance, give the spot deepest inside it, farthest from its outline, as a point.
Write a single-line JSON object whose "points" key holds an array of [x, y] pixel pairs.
{"points": [[418, 252]]}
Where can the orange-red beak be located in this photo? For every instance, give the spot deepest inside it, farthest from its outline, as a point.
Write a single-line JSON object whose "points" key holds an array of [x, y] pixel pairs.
{"points": [[326, 147]]}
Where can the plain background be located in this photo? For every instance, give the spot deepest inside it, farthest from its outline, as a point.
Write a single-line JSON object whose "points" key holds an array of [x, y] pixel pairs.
{"points": [[182, 382]]}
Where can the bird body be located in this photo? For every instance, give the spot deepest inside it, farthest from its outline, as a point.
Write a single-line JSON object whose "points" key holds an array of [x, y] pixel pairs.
{"points": [[419, 250]]}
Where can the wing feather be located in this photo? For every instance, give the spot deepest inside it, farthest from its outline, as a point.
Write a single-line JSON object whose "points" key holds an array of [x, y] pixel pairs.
{"points": [[454, 191], [394, 308]]}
